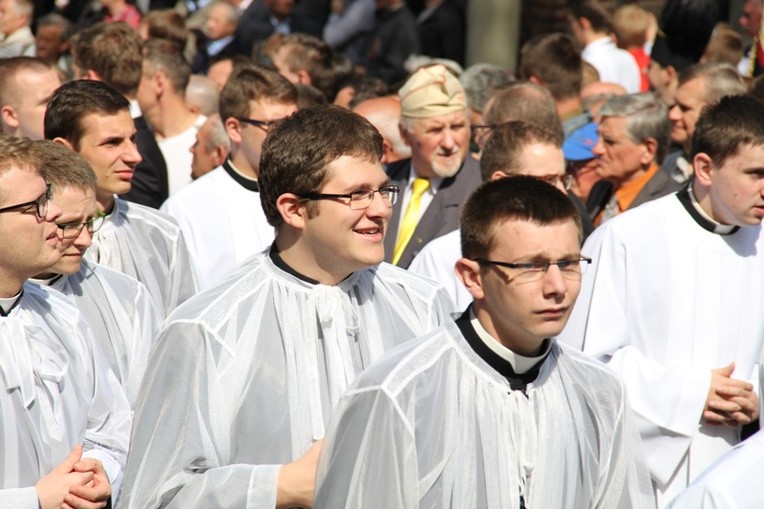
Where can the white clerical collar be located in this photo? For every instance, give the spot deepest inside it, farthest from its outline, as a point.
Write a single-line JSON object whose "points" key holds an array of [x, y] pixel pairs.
{"points": [[135, 109], [720, 228], [7, 303], [520, 363]]}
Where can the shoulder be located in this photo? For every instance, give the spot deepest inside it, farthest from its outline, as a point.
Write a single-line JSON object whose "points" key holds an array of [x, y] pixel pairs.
{"points": [[137, 213], [190, 195], [588, 368], [412, 284], [112, 278]]}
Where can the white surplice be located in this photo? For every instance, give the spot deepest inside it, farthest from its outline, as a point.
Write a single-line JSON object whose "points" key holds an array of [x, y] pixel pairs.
{"points": [[433, 425], [147, 245], [56, 391], [436, 261], [123, 317], [245, 376], [222, 221], [665, 302]]}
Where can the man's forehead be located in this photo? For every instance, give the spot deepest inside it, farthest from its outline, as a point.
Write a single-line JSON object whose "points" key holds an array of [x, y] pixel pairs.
{"points": [[448, 118], [108, 124]]}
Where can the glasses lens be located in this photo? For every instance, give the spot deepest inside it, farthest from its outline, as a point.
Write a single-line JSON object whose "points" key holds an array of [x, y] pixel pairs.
{"points": [[42, 205], [96, 223], [361, 199]]}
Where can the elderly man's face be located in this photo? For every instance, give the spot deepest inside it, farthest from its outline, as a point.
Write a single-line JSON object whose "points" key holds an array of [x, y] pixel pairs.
{"points": [[438, 144], [219, 23], [49, 44], [750, 18], [619, 158], [10, 17]]}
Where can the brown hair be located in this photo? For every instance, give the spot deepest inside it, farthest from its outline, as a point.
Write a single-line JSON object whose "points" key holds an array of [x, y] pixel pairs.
{"points": [[113, 51], [253, 83], [63, 167], [555, 60], [507, 142]]}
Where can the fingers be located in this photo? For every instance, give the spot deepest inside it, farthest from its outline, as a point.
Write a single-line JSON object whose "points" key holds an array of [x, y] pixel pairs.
{"points": [[715, 418], [726, 371], [99, 492], [76, 502], [89, 465], [67, 465], [732, 387]]}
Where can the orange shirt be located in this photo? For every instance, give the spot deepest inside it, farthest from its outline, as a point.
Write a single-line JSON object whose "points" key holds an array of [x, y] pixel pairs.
{"points": [[629, 191]]}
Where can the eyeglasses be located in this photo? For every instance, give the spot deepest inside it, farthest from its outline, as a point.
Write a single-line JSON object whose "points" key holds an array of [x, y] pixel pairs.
{"points": [[265, 125], [480, 127], [565, 180], [40, 204], [360, 199], [533, 271], [72, 230]]}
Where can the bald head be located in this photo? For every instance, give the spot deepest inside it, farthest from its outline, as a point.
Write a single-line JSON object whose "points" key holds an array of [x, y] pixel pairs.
{"points": [[595, 95], [384, 113]]}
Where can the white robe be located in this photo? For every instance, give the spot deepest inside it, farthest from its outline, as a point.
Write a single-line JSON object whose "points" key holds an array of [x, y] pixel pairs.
{"points": [[665, 302], [432, 424], [123, 317], [148, 246], [245, 376], [734, 481], [436, 261], [223, 223], [56, 391]]}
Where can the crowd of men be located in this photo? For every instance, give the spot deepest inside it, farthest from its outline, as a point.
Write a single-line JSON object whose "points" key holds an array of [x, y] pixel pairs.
{"points": [[274, 269]]}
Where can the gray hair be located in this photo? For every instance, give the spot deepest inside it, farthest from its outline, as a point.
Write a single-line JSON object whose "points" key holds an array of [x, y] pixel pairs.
{"points": [[480, 81], [202, 92], [217, 134], [720, 80], [647, 117], [55, 19]]}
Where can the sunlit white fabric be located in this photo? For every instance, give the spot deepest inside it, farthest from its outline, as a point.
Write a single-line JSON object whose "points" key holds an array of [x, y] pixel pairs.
{"points": [[123, 317], [56, 391], [431, 424], [147, 245], [436, 261], [245, 376], [223, 223], [665, 302]]}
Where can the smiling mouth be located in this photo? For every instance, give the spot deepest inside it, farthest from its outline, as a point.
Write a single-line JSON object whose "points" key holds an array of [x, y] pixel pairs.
{"points": [[369, 231]]}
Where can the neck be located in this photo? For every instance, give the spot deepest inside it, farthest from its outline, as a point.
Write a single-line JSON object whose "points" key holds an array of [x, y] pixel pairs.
{"points": [[590, 36], [618, 182], [568, 107], [240, 161], [294, 252], [10, 286], [703, 197], [174, 117], [105, 202], [528, 347]]}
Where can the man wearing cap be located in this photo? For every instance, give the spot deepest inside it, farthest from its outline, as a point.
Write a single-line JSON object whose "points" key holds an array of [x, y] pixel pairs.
{"points": [[440, 175], [580, 160]]}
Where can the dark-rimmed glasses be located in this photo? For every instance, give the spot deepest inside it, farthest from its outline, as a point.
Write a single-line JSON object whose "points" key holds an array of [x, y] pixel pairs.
{"points": [[72, 230], [527, 272], [40, 203], [360, 199], [265, 125]]}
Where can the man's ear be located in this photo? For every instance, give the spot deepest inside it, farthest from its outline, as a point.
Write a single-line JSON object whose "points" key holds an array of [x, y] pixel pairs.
{"points": [[702, 166], [404, 135], [63, 142], [468, 272], [9, 117], [303, 77], [233, 129], [293, 210], [387, 149], [651, 151], [90, 74]]}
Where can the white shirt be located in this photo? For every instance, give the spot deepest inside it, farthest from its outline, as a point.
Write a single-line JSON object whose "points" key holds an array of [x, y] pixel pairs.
{"points": [[432, 424], [178, 157], [222, 221], [148, 246], [245, 376], [56, 391], [613, 64], [436, 261], [664, 302], [123, 317]]}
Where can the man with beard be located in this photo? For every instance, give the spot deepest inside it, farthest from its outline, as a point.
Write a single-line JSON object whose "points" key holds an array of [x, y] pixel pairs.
{"points": [[440, 174]]}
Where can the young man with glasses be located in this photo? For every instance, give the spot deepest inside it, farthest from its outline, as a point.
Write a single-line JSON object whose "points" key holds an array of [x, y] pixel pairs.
{"points": [[245, 374], [220, 213], [673, 301], [65, 420], [124, 319], [515, 148], [491, 411]]}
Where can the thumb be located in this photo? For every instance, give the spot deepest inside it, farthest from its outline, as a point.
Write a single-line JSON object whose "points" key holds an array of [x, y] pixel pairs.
{"points": [[730, 368], [67, 465]]}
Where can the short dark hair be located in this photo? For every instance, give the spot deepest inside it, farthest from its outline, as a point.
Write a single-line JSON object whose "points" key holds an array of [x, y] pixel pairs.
{"points": [[519, 197], [75, 100], [9, 67], [556, 61], [314, 56], [296, 153], [723, 127], [598, 15], [253, 83], [168, 25], [63, 167], [507, 141], [113, 51]]}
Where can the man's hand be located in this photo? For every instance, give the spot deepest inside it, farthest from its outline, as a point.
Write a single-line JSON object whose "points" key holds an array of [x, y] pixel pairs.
{"points": [[93, 495], [55, 485], [297, 480], [730, 402]]}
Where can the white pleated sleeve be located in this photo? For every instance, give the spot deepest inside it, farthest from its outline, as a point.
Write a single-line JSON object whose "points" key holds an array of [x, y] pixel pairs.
{"points": [[432, 425], [123, 317], [57, 391], [147, 245], [245, 376]]}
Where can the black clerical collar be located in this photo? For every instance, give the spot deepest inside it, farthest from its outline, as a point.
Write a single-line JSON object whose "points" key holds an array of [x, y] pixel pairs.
{"points": [[48, 281], [518, 382], [693, 208], [246, 183], [7, 305], [279, 262]]}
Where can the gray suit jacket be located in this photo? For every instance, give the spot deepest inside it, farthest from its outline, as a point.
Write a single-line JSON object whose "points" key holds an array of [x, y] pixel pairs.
{"points": [[441, 216]]}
